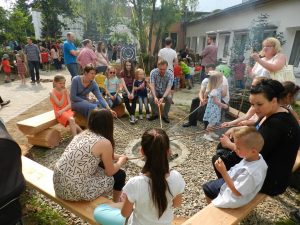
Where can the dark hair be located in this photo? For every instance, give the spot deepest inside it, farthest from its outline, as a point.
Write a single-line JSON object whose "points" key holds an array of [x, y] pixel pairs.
{"points": [[213, 66], [88, 68], [168, 41], [101, 122], [269, 88], [99, 47], [85, 42], [290, 88], [54, 47], [156, 144], [131, 73]]}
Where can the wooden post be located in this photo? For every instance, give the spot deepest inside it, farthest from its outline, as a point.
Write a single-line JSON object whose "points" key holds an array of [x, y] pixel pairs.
{"points": [[48, 138]]}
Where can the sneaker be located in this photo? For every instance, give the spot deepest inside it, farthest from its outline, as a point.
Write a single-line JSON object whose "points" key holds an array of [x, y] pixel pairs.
{"points": [[166, 119], [154, 117], [214, 135], [208, 137], [132, 119], [5, 103], [148, 116], [188, 124], [141, 117], [6, 81], [32, 82], [38, 81]]}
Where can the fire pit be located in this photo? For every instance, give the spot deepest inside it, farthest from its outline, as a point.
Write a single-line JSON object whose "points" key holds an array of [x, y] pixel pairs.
{"points": [[179, 152]]}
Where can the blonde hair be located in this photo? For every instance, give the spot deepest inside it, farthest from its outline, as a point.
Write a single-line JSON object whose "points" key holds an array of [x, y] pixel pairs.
{"points": [[215, 80], [250, 137], [137, 71], [274, 42], [109, 68]]}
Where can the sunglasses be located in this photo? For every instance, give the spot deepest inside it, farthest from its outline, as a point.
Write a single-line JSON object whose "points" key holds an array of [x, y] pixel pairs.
{"points": [[112, 72]]}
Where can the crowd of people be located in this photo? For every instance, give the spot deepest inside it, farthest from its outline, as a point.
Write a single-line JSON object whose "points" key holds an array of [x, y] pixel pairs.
{"points": [[256, 154]]}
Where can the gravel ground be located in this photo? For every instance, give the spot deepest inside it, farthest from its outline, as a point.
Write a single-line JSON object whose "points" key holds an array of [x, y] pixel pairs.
{"points": [[196, 170]]}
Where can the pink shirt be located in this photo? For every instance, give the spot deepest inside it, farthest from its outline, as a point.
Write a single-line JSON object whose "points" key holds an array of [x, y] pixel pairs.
{"points": [[209, 55], [86, 56]]}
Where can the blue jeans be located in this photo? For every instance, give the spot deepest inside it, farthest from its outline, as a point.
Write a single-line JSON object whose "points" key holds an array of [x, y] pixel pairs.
{"points": [[73, 69], [143, 100], [212, 188], [114, 103], [34, 65]]}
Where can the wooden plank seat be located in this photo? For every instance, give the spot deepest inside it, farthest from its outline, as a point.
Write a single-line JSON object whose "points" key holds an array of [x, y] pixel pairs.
{"points": [[211, 215], [41, 178], [38, 132]]}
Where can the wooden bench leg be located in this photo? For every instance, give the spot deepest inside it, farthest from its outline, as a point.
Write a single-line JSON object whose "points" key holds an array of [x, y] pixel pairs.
{"points": [[48, 138]]}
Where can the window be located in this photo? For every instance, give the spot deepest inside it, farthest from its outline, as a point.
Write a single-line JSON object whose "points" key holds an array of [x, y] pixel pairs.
{"points": [[226, 46], [194, 44], [188, 42]]}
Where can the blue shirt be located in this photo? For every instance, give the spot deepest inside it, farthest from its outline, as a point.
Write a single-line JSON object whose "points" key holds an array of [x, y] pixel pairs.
{"points": [[141, 92], [68, 57], [161, 83]]}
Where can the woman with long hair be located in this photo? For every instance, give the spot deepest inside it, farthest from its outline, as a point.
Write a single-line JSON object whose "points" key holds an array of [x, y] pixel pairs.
{"points": [[86, 169], [102, 59]]}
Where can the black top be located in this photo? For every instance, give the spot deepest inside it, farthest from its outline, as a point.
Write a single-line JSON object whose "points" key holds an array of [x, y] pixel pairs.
{"points": [[281, 133]]}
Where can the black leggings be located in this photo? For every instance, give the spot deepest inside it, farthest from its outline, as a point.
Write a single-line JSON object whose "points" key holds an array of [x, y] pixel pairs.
{"points": [[119, 178]]}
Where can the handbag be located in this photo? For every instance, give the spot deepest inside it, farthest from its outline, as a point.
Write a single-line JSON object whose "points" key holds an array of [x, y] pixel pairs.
{"points": [[285, 74]]}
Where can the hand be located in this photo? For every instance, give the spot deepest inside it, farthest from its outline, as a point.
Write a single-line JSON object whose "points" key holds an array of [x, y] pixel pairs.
{"points": [[246, 123], [225, 141], [130, 96], [226, 124], [255, 56], [123, 159], [225, 106], [112, 97], [156, 100], [113, 113], [220, 166], [59, 112], [160, 101], [142, 85]]}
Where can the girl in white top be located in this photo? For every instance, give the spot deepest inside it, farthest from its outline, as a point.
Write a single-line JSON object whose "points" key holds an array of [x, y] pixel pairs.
{"points": [[102, 59], [272, 60], [155, 192]]}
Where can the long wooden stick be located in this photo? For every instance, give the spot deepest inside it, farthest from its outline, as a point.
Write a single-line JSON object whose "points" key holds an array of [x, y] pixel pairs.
{"points": [[160, 116]]}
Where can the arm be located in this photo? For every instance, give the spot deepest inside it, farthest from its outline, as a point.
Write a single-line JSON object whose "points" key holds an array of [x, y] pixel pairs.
{"points": [[247, 116], [74, 52], [74, 88], [274, 66], [218, 103], [177, 201], [124, 86], [68, 106], [103, 149], [55, 99], [96, 92], [220, 166], [127, 208]]}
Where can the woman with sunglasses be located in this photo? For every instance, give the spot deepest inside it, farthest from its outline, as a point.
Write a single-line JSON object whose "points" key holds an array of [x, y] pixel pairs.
{"points": [[81, 87], [270, 59]]}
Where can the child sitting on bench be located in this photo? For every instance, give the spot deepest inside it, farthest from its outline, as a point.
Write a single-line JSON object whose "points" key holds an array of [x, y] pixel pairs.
{"points": [[243, 181], [60, 100]]}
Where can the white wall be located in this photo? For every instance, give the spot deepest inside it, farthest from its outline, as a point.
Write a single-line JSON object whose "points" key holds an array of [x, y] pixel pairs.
{"points": [[37, 25], [284, 14]]}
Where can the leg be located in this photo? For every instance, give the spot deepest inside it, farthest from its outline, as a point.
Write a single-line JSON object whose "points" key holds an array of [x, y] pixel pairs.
{"points": [[153, 106], [37, 72], [73, 69], [168, 102], [140, 99], [31, 71], [72, 125], [119, 178], [145, 100], [212, 188], [127, 104], [194, 116]]}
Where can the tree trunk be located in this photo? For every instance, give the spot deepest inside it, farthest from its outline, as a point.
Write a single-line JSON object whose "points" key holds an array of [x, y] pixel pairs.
{"points": [[157, 42], [149, 66]]}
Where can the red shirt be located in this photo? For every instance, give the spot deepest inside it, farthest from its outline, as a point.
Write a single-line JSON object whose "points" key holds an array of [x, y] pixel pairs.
{"points": [[45, 57], [6, 66], [128, 80], [177, 71]]}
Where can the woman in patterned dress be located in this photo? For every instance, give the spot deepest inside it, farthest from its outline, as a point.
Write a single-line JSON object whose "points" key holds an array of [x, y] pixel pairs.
{"points": [[86, 169]]}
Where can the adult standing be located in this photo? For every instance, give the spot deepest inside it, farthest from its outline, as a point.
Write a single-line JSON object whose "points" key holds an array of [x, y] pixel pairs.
{"points": [[34, 59], [281, 134], [272, 60], [86, 55], [208, 55], [161, 81], [70, 54], [54, 52], [86, 169], [81, 87], [168, 54], [11, 179], [127, 77], [102, 59]]}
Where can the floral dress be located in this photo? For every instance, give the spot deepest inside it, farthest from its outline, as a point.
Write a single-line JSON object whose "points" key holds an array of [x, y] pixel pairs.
{"points": [[213, 112], [77, 174]]}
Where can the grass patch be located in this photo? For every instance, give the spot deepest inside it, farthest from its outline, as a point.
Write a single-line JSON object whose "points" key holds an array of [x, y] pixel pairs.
{"points": [[39, 213], [285, 222], [296, 109]]}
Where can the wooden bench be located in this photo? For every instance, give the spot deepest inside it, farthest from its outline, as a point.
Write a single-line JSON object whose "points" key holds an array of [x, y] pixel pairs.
{"points": [[38, 130], [41, 178], [211, 215]]}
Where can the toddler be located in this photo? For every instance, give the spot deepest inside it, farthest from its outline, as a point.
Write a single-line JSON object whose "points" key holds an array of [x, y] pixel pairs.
{"points": [[177, 72], [6, 67], [100, 79], [186, 70], [21, 67]]}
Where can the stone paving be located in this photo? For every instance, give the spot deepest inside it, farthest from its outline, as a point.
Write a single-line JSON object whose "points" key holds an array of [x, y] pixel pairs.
{"points": [[23, 97]]}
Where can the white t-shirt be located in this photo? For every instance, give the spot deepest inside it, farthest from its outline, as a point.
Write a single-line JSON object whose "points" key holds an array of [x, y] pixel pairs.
{"points": [[224, 84], [248, 178], [138, 192], [169, 55]]}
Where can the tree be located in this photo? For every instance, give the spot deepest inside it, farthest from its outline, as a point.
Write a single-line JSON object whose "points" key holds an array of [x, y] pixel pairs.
{"points": [[3, 25], [23, 6], [18, 22], [51, 25]]}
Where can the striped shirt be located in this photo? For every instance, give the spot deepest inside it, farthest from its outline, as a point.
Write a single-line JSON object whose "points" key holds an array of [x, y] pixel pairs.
{"points": [[32, 52], [161, 83]]}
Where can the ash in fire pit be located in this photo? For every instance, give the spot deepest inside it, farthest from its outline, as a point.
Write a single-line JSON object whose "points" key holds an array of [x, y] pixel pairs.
{"points": [[178, 152]]}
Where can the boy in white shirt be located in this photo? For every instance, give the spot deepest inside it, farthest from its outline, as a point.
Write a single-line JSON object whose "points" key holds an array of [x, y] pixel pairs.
{"points": [[243, 181]]}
